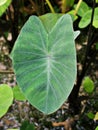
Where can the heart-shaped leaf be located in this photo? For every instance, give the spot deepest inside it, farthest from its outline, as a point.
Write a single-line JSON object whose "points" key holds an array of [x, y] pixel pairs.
{"points": [[82, 9], [18, 95], [6, 98], [49, 20], [45, 62], [85, 21], [4, 5]]}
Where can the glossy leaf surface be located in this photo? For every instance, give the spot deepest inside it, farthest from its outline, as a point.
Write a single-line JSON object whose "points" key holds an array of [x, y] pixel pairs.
{"points": [[45, 62]]}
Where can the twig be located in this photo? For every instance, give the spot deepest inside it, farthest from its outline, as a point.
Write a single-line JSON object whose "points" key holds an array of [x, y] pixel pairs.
{"points": [[6, 72], [77, 7]]}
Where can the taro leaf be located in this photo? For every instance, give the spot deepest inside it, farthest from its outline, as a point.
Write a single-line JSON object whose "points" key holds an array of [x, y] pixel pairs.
{"points": [[4, 5], [76, 33], [50, 20], [6, 98], [88, 85], [45, 63], [85, 21], [82, 9], [18, 95]]}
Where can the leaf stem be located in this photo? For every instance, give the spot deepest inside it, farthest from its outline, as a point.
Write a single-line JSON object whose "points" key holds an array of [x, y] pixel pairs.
{"points": [[77, 7], [50, 6], [64, 6]]}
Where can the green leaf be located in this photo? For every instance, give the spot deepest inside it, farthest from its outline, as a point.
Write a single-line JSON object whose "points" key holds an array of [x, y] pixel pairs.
{"points": [[95, 21], [69, 3], [18, 95], [90, 115], [49, 20], [27, 126], [88, 85], [96, 46], [96, 1], [2, 2], [85, 21], [82, 9], [76, 34], [72, 14], [45, 62], [4, 5], [6, 98], [96, 128]]}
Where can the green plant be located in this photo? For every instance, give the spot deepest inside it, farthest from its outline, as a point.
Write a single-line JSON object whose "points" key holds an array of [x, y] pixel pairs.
{"points": [[96, 128], [27, 126], [83, 8], [96, 46], [90, 115], [6, 98], [7, 94], [44, 60], [88, 85], [4, 5], [85, 13], [18, 95], [85, 21]]}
